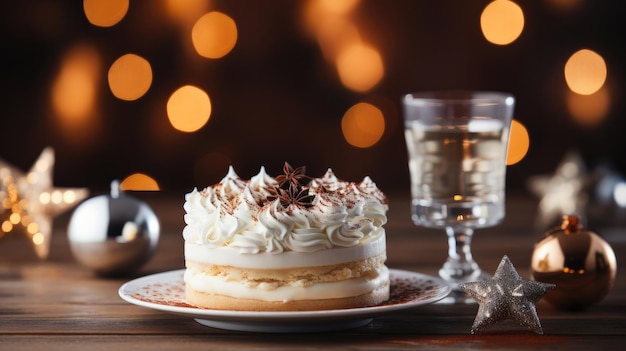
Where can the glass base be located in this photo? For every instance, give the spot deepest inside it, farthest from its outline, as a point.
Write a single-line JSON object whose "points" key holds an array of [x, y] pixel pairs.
{"points": [[458, 296]]}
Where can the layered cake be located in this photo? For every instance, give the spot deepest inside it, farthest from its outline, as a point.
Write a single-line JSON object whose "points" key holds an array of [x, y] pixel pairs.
{"points": [[289, 243]]}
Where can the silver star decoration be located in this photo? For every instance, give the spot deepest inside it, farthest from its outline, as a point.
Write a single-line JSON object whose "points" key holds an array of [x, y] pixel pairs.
{"points": [[506, 296], [28, 202], [561, 193]]}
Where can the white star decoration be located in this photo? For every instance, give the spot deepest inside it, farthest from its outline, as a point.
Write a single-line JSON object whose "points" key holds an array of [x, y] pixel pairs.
{"points": [[29, 201], [561, 193], [506, 296]]}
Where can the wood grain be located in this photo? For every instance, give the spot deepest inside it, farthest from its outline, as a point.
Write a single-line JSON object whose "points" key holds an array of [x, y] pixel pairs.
{"points": [[58, 304]]}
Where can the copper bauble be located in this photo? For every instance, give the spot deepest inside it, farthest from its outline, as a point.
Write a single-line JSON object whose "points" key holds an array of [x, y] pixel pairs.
{"points": [[578, 261], [113, 234]]}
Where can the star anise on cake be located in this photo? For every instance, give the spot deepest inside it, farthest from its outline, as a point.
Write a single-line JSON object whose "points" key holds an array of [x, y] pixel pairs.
{"points": [[294, 196], [291, 176], [291, 189]]}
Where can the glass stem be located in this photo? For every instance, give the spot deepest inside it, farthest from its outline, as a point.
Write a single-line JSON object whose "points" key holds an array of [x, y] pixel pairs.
{"points": [[460, 266]]}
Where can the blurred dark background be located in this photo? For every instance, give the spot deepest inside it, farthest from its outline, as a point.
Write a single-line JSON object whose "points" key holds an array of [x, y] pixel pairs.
{"points": [[275, 97]]}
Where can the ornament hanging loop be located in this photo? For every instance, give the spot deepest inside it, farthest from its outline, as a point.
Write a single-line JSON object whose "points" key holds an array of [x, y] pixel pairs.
{"points": [[115, 189], [571, 224]]}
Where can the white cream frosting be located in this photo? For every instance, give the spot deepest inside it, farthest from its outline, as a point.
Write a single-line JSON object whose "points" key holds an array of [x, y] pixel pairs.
{"points": [[242, 215], [297, 290], [230, 256]]}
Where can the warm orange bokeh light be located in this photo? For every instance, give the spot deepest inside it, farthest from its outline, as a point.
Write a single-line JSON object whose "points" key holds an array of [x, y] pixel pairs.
{"points": [[585, 72], [519, 142], [502, 21], [130, 77], [74, 92], [335, 33], [74, 89], [139, 182], [363, 125], [189, 108], [589, 110], [214, 35], [360, 67], [315, 12], [105, 13], [338, 7], [185, 11]]}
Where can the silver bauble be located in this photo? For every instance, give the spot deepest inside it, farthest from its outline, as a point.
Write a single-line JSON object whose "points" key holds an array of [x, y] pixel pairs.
{"points": [[578, 261], [113, 234]]}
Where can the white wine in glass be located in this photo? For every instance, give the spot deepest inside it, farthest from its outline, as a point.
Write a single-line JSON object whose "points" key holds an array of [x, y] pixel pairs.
{"points": [[457, 144]]}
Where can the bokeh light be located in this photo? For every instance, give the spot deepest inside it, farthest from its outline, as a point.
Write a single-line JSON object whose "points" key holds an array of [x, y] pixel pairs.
{"points": [[589, 110], [339, 7], [214, 35], [185, 11], [139, 182], [334, 34], [189, 108], [105, 13], [316, 12], [619, 194], [585, 72], [74, 92], [502, 21], [360, 67], [519, 142], [363, 125], [130, 77]]}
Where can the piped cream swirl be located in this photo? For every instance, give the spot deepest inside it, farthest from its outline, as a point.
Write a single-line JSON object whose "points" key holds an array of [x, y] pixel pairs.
{"points": [[244, 214]]}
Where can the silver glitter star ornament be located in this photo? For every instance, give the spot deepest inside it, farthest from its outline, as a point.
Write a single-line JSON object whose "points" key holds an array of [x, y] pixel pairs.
{"points": [[506, 296], [561, 193]]}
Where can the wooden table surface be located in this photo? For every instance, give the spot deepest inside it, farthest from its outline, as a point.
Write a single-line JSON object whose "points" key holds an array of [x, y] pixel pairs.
{"points": [[59, 304]]}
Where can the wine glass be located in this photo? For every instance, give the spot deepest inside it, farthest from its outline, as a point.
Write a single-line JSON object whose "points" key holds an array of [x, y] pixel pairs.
{"points": [[457, 145]]}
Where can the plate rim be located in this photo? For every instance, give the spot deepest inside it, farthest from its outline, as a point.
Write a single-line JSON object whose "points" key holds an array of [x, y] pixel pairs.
{"points": [[126, 290]]}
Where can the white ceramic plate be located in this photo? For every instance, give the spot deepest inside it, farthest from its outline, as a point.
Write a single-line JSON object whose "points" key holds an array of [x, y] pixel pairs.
{"points": [[166, 292]]}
